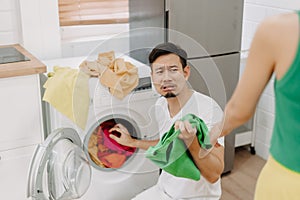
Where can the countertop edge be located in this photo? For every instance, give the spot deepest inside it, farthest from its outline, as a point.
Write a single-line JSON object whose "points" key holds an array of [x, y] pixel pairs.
{"points": [[33, 66]]}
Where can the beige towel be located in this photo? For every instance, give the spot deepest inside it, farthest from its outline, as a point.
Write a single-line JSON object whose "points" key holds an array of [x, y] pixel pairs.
{"points": [[119, 76]]}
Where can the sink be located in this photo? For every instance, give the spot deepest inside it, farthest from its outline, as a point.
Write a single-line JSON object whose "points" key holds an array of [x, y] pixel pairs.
{"points": [[11, 55]]}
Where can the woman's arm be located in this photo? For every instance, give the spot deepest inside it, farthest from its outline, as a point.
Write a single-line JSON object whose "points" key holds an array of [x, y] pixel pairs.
{"points": [[259, 68]]}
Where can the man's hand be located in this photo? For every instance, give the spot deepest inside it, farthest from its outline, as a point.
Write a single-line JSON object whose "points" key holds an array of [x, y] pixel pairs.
{"points": [[187, 132], [125, 137]]}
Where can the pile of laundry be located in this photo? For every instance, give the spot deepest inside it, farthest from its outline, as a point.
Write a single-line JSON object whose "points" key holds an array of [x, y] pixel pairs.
{"points": [[106, 152], [67, 89]]}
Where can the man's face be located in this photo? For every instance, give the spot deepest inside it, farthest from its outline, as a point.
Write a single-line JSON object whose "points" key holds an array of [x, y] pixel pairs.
{"points": [[168, 75]]}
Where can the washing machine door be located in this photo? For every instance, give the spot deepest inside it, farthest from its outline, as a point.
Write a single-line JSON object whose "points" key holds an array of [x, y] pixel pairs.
{"points": [[59, 169]]}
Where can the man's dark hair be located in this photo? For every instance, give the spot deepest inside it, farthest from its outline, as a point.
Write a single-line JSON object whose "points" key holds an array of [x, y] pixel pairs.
{"points": [[168, 48]]}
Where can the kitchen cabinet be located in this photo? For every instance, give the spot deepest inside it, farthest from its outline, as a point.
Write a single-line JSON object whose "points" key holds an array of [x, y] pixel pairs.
{"points": [[21, 124], [20, 131]]}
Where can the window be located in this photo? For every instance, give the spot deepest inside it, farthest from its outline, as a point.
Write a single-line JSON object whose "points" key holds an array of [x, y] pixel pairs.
{"points": [[91, 12]]}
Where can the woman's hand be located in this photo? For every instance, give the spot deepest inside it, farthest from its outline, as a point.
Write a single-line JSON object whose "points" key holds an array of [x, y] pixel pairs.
{"points": [[125, 137]]}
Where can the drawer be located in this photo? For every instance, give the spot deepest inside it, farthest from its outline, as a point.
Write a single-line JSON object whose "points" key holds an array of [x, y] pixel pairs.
{"points": [[14, 169]]}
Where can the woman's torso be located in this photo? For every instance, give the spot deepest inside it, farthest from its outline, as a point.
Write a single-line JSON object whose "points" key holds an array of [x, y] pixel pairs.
{"points": [[285, 143]]}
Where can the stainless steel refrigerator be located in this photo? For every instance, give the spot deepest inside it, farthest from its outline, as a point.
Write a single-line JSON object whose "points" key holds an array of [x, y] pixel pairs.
{"points": [[210, 31]]}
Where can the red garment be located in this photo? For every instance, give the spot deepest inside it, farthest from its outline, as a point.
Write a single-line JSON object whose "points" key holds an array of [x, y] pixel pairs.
{"points": [[113, 147], [113, 160]]}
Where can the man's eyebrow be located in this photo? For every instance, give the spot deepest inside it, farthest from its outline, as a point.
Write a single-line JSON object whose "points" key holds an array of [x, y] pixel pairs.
{"points": [[159, 66]]}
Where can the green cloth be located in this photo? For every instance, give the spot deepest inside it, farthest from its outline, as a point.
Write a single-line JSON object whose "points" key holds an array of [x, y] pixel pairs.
{"points": [[171, 154], [285, 143]]}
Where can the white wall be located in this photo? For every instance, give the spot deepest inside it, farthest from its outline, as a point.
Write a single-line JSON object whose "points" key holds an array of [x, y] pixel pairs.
{"points": [[33, 24], [9, 22], [254, 12], [40, 27]]}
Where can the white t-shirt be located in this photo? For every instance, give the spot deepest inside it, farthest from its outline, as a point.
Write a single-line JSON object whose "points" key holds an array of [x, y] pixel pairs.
{"points": [[209, 111]]}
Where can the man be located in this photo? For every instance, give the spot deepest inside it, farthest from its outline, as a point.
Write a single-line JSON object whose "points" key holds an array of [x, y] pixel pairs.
{"points": [[170, 72]]}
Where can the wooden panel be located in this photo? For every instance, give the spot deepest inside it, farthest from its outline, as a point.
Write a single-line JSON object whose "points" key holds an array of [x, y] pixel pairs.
{"points": [[85, 12]]}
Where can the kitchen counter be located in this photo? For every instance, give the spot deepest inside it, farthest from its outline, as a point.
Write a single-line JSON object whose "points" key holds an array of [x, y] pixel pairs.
{"points": [[21, 68]]}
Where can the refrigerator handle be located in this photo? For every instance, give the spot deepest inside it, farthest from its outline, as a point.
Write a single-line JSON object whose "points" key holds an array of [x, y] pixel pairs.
{"points": [[166, 25]]}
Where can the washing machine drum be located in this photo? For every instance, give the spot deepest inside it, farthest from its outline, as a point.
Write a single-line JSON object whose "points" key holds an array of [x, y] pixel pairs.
{"points": [[59, 169]]}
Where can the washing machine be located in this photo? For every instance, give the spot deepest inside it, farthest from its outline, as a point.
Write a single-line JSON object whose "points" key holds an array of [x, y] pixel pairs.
{"points": [[86, 164]]}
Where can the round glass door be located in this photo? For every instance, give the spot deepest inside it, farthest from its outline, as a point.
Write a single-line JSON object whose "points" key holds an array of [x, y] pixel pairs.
{"points": [[60, 170], [104, 152]]}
